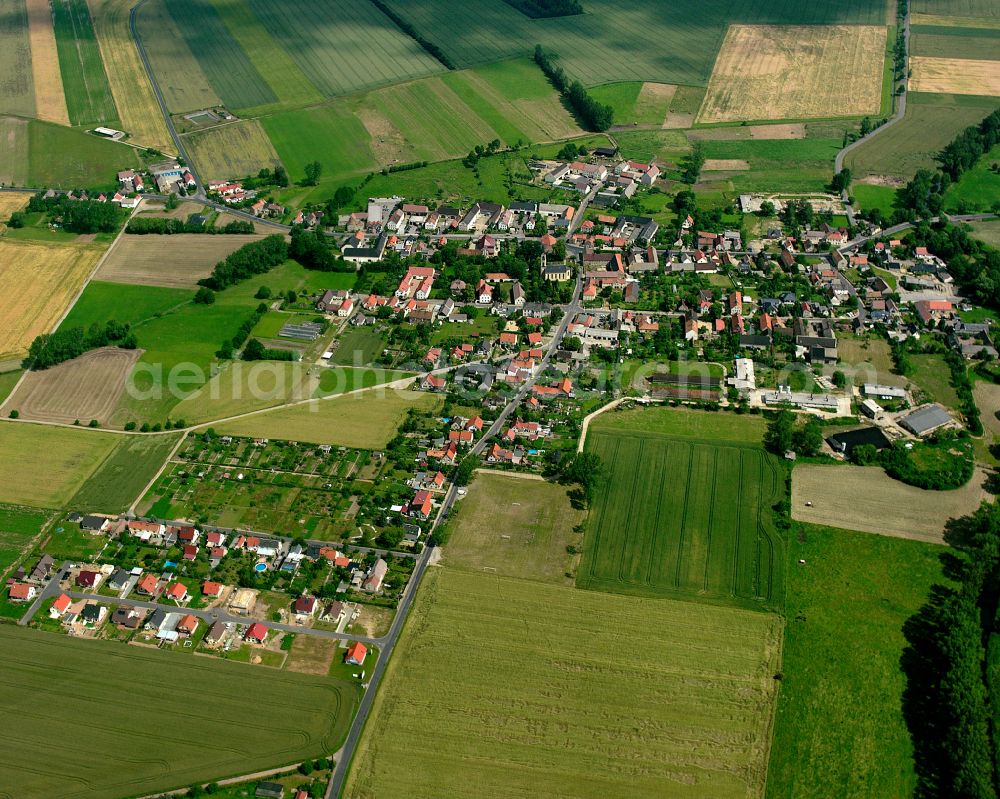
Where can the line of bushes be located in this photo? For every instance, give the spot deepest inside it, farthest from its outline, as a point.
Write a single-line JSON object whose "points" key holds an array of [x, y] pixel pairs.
{"points": [[237, 341], [963, 387], [940, 470], [143, 225], [403, 167], [50, 349], [255, 351], [596, 116], [544, 9], [412, 32], [251, 259]]}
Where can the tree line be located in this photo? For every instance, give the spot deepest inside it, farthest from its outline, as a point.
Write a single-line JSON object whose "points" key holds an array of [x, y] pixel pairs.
{"points": [[79, 216], [251, 259], [951, 681], [409, 30], [50, 349], [596, 116], [143, 225]]}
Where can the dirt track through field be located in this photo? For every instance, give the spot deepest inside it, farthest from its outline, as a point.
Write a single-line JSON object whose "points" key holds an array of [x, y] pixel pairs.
{"points": [[955, 76], [865, 498], [790, 71], [50, 101], [84, 388], [788, 130]]}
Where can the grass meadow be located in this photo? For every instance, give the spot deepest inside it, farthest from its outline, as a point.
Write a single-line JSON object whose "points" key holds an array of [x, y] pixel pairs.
{"points": [[979, 188], [683, 423], [550, 691], [18, 528], [66, 457], [839, 729], [363, 421], [538, 526], [194, 726], [88, 94], [792, 165], [680, 517], [931, 375], [931, 121], [123, 475], [958, 8], [955, 42]]}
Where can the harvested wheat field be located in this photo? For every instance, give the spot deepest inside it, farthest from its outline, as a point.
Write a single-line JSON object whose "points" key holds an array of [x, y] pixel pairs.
{"points": [[955, 76], [50, 101], [84, 388], [796, 72], [725, 165], [37, 283], [987, 397], [865, 498], [178, 261], [9, 203]]}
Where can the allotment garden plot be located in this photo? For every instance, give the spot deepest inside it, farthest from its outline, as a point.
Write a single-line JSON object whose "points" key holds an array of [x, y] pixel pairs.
{"points": [[684, 517]]}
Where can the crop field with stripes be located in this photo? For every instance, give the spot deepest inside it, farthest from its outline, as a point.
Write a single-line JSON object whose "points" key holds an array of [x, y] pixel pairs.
{"points": [[685, 517]]}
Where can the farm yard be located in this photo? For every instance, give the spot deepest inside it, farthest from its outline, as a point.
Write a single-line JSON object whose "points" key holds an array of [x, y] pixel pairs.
{"points": [[177, 261], [789, 72], [687, 714], [839, 729], [84, 388], [931, 121], [88, 95], [538, 526], [291, 716], [879, 504], [955, 75], [37, 283], [65, 456], [681, 517], [365, 421], [130, 88], [50, 101]]}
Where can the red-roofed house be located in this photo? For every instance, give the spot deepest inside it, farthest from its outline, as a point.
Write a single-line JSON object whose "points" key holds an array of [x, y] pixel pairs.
{"points": [[187, 625], [148, 585], [88, 579], [60, 606], [212, 590], [177, 592], [190, 551], [257, 633], [422, 505], [356, 654], [22, 592], [305, 606]]}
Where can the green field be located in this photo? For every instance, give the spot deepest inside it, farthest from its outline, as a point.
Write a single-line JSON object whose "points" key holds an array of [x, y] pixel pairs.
{"points": [[985, 231], [538, 526], [358, 346], [958, 8], [840, 729], [232, 151], [792, 165], [867, 196], [933, 376], [931, 121], [550, 691], [17, 90], [120, 479], [978, 189], [129, 304], [363, 421], [7, 382], [941, 42], [152, 720], [88, 95], [682, 517], [45, 466], [338, 380], [683, 423], [616, 40], [18, 526]]}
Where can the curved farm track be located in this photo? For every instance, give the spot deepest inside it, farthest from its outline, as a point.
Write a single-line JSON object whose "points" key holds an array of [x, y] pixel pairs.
{"points": [[85, 388]]}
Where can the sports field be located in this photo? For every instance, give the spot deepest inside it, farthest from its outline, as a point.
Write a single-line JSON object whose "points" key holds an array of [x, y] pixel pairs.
{"points": [[81, 389], [538, 525], [955, 75], [194, 726], [66, 457], [931, 121], [37, 283], [88, 95], [364, 421], [557, 692], [684, 517], [50, 101], [879, 504], [176, 261], [789, 72], [133, 96], [17, 95], [839, 729], [235, 150], [124, 474]]}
